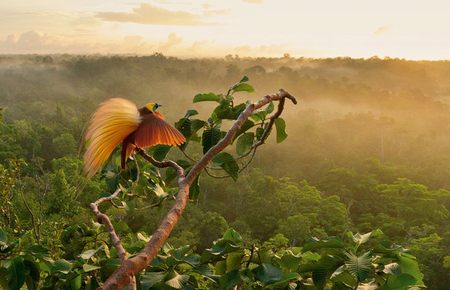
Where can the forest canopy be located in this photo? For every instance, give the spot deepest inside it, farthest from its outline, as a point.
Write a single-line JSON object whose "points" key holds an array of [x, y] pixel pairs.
{"points": [[367, 151]]}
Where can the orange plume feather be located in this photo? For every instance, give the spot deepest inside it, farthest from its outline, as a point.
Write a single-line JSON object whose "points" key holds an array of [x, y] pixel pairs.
{"points": [[113, 121], [119, 121]]}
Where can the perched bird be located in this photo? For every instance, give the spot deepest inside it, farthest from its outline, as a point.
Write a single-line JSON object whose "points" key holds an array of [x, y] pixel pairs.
{"points": [[120, 121]]}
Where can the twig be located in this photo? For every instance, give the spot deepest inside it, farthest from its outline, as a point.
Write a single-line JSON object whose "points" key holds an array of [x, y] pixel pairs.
{"points": [[162, 164]]}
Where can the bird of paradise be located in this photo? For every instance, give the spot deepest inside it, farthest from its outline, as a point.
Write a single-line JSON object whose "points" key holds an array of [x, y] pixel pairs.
{"points": [[118, 121]]}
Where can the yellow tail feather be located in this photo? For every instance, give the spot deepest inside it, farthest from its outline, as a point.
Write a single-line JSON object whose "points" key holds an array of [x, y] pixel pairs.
{"points": [[113, 121]]}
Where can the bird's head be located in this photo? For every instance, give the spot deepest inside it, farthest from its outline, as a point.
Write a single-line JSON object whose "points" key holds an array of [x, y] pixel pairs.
{"points": [[152, 106]]}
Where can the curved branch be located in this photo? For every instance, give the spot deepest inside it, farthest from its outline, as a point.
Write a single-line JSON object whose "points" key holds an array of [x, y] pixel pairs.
{"points": [[104, 219], [128, 269]]}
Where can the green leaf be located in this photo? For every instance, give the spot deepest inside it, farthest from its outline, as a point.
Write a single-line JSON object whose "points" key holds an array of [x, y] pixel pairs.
{"points": [[268, 273], [408, 265], [230, 279], [75, 283], [247, 125], [143, 237], [160, 151], [290, 261], [38, 250], [16, 273], [89, 268], [3, 237], [269, 109], [209, 97], [259, 133], [194, 190], [184, 126], [244, 79], [224, 110], [244, 143], [210, 137], [32, 275], [232, 236], [191, 113], [319, 276], [227, 162], [359, 267], [233, 261], [280, 125], [86, 255], [197, 124], [148, 279], [258, 116], [62, 266], [243, 87], [398, 282], [221, 267], [341, 275], [314, 244]]}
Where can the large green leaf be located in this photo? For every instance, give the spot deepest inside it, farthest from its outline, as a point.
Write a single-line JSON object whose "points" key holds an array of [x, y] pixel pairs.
{"points": [[268, 273], [32, 275], [228, 163], [209, 97], [244, 143], [233, 261], [16, 273], [319, 276], [230, 279], [342, 275], [75, 283], [62, 266], [408, 265], [148, 279], [290, 261], [210, 137], [280, 125], [398, 282], [359, 267]]}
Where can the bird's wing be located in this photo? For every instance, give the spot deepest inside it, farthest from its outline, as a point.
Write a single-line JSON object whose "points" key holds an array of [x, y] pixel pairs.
{"points": [[113, 121], [154, 130]]}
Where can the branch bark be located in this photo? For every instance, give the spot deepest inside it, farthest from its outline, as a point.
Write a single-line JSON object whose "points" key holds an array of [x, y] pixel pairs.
{"points": [[130, 267]]}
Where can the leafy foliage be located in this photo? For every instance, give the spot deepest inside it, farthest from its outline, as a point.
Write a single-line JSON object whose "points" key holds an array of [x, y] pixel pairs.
{"points": [[371, 139]]}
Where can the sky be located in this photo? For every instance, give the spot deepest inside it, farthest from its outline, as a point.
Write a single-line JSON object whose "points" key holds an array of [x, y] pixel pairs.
{"points": [[411, 29]]}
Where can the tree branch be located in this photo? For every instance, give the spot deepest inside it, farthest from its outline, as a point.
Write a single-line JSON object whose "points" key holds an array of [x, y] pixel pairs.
{"points": [[129, 267], [104, 219]]}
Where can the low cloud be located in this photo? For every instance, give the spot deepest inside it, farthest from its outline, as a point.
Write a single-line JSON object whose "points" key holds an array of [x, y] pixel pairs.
{"points": [[31, 42], [150, 14], [253, 1], [381, 30]]}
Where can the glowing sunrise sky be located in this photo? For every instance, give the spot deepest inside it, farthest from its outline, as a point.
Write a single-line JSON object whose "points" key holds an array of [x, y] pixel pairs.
{"points": [[311, 28]]}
